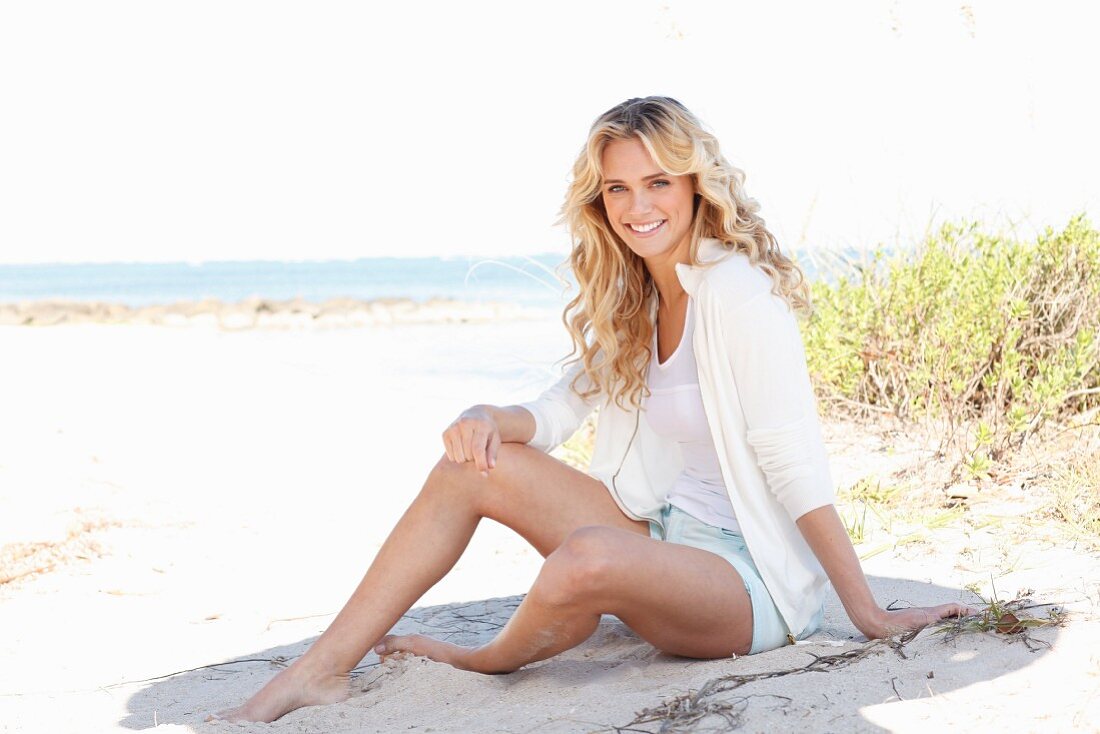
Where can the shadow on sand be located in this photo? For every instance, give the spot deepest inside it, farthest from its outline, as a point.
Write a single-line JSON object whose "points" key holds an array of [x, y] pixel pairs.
{"points": [[603, 684]]}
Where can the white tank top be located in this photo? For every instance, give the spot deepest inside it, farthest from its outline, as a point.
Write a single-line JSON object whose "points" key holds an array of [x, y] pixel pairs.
{"points": [[674, 409]]}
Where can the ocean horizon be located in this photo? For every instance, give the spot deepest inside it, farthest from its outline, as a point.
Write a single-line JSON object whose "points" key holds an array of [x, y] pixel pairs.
{"points": [[532, 281], [529, 281]]}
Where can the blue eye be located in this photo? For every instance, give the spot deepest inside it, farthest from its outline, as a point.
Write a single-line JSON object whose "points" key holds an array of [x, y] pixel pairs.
{"points": [[662, 182], [615, 188]]}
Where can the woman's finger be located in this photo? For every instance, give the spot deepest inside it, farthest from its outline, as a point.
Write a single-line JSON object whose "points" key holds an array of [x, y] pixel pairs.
{"points": [[479, 442], [447, 449], [494, 446], [944, 611], [469, 444], [454, 448]]}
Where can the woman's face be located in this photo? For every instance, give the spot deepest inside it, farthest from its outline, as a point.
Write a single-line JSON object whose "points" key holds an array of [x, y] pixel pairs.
{"points": [[650, 210]]}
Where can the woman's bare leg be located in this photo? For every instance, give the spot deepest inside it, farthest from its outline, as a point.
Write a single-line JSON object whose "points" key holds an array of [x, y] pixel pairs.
{"points": [[685, 601], [536, 495]]}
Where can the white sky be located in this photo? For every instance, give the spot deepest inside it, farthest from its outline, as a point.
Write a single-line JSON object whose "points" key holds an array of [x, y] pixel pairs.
{"points": [[274, 130]]}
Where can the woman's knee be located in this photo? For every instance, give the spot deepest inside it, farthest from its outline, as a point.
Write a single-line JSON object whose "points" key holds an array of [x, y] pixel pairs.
{"points": [[464, 479], [450, 478], [577, 572]]}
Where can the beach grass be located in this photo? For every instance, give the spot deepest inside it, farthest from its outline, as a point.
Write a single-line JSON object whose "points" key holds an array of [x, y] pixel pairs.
{"points": [[988, 343], [988, 336]]}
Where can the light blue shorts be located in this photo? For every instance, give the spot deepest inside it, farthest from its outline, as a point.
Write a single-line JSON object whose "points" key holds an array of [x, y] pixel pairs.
{"points": [[769, 631]]}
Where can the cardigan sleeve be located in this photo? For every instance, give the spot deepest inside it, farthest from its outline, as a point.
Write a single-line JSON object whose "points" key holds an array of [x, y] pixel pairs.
{"points": [[768, 361], [559, 411]]}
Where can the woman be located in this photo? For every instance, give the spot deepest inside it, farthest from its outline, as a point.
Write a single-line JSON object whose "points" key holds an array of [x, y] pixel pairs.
{"points": [[706, 521]]}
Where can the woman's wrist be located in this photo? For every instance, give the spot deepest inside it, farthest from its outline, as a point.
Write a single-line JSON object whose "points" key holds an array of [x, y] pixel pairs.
{"points": [[515, 424], [868, 618]]}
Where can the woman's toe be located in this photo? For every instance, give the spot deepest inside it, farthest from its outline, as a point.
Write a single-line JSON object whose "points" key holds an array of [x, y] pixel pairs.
{"points": [[224, 715], [391, 644]]}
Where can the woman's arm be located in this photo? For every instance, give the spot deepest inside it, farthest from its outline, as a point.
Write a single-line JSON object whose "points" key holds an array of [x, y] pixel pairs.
{"points": [[559, 410], [768, 360], [543, 423], [478, 432], [825, 534], [515, 422]]}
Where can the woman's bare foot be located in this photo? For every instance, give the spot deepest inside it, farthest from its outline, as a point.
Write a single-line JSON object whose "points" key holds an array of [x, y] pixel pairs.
{"points": [[291, 689], [463, 658]]}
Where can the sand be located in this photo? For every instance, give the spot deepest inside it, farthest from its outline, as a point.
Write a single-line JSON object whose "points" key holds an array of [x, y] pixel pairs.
{"points": [[202, 495]]}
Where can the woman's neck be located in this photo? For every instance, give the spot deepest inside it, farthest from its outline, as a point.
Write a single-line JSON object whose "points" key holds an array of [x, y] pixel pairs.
{"points": [[662, 268], [670, 295], [667, 282]]}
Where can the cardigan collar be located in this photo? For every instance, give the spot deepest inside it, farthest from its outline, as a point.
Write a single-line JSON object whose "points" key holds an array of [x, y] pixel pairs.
{"points": [[710, 251]]}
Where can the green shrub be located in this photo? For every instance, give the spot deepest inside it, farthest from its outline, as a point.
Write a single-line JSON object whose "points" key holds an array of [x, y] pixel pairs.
{"points": [[967, 326]]}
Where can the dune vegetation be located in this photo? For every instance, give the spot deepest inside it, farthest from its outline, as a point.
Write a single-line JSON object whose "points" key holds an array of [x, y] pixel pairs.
{"points": [[984, 344], [991, 336]]}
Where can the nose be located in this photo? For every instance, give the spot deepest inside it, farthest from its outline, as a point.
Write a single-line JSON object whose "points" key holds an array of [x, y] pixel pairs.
{"points": [[640, 203]]}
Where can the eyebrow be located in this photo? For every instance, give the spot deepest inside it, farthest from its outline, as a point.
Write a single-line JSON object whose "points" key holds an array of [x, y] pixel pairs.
{"points": [[646, 178]]}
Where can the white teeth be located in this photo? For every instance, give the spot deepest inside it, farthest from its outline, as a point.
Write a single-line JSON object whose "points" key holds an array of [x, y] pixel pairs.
{"points": [[647, 227]]}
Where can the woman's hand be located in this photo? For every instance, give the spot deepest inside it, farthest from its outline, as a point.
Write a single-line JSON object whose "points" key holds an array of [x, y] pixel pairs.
{"points": [[474, 436], [885, 623], [826, 536]]}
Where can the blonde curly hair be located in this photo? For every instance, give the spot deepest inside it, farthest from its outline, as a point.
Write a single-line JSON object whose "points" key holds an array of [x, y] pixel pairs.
{"points": [[610, 319]]}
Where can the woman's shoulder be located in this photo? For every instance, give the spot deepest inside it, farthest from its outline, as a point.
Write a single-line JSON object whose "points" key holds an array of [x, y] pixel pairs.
{"points": [[730, 276]]}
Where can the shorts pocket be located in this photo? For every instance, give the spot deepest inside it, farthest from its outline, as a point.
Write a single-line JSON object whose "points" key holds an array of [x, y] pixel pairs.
{"points": [[732, 534], [734, 541]]}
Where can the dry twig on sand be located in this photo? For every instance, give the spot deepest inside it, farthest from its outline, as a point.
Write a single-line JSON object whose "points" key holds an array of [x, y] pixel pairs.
{"points": [[683, 712]]}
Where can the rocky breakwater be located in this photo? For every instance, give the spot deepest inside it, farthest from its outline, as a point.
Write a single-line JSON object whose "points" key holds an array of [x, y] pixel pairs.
{"points": [[256, 313]]}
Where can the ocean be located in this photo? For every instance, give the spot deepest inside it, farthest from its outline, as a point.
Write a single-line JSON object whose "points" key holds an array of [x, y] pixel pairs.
{"points": [[529, 281], [526, 281]]}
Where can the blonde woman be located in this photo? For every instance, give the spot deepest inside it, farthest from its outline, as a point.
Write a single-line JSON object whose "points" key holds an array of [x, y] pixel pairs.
{"points": [[706, 520]]}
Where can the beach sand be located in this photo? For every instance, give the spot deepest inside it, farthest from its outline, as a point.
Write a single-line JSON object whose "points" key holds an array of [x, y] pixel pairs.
{"points": [[199, 495]]}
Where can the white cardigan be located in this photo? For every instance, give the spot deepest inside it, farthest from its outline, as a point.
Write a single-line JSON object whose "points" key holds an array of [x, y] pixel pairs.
{"points": [[762, 414]]}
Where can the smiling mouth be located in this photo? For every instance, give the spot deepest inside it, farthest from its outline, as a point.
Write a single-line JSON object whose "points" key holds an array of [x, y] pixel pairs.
{"points": [[647, 227]]}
